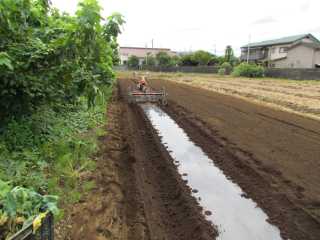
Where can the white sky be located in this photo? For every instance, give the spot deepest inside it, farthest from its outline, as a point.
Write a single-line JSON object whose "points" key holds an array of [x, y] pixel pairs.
{"points": [[206, 25]]}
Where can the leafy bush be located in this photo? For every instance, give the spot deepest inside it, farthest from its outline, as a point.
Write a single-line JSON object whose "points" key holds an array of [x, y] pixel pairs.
{"points": [[53, 59], [201, 57], [216, 61], [225, 65], [176, 59], [186, 61], [246, 70], [252, 63], [151, 61], [21, 206], [221, 71], [133, 61], [164, 59]]}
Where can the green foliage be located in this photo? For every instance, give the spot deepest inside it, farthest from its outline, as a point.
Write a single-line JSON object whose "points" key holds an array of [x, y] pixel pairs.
{"points": [[225, 65], [22, 205], [133, 61], [216, 61], [176, 59], [233, 60], [228, 53], [53, 59], [246, 70], [201, 57], [252, 63], [151, 61], [164, 59], [186, 61], [221, 71], [4, 60], [29, 148]]}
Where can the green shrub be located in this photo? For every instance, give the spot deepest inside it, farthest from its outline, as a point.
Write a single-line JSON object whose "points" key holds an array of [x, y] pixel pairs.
{"points": [[247, 70], [252, 63], [225, 65], [221, 71]]}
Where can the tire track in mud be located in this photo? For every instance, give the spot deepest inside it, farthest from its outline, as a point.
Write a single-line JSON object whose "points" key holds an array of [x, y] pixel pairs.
{"points": [[275, 163]]}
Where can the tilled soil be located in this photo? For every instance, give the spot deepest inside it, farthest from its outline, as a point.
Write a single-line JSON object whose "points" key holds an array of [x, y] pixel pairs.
{"points": [[140, 194], [274, 156]]}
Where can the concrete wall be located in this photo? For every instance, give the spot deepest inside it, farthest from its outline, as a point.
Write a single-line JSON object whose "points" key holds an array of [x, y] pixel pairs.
{"points": [[293, 73], [212, 70], [283, 73], [124, 67]]}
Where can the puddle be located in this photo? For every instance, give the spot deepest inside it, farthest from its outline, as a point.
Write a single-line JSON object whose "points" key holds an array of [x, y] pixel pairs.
{"points": [[236, 217]]}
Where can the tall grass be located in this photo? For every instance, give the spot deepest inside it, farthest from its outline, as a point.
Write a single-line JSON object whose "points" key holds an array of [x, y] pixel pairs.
{"points": [[52, 150]]}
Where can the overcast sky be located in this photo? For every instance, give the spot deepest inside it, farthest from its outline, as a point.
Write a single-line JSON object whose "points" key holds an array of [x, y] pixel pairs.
{"points": [[207, 25]]}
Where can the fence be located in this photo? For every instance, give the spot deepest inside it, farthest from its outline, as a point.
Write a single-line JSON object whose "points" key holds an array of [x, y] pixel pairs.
{"points": [[283, 73]]}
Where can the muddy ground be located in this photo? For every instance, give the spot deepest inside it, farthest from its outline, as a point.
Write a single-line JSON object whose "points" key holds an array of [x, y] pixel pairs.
{"points": [[274, 156]]}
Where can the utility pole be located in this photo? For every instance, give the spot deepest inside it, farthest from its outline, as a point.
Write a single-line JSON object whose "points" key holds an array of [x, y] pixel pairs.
{"points": [[146, 53], [248, 51], [215, 52]]}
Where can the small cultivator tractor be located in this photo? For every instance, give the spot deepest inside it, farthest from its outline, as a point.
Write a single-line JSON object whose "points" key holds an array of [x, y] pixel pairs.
{"points": [[143, 93]]}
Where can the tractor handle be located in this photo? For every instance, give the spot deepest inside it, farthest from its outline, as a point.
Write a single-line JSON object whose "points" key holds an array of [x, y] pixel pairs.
{"points": [[137, 75]]}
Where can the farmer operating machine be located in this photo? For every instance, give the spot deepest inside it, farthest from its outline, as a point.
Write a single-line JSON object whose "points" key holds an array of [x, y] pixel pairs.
{"points": [[144, 94]]}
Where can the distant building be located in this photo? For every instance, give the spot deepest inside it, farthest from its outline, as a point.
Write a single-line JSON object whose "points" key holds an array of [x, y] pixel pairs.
{"points": [[126, 52], [301, 51]]}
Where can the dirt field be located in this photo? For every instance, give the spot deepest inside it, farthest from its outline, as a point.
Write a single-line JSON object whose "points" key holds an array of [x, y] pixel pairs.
{"points": [[274, 156]]}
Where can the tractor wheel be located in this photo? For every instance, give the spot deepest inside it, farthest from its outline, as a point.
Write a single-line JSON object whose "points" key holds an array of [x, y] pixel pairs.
{"points": [[131, 102]]}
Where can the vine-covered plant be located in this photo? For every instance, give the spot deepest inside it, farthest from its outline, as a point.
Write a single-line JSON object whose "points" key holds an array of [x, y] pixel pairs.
{"points": [[48, 57]]}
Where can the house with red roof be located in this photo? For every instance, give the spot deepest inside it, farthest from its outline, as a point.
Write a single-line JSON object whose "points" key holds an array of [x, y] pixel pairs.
{"points": [[126, 52]]}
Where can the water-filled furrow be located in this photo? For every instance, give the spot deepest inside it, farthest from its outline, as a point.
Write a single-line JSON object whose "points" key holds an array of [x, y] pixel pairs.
{"points": [[235, 216]]}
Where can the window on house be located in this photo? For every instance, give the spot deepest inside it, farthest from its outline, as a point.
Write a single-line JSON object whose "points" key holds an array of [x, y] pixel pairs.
{"points": [[273, 50], [283, 50]]}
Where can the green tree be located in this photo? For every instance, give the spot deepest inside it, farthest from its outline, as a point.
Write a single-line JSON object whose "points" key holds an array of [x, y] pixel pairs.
{"points": [[133, 61], [214, 62], [176, 59], [53, 59], [228, 53], [151, 61], [233, 59], [186, 61], [163, 58], [201, 57]]}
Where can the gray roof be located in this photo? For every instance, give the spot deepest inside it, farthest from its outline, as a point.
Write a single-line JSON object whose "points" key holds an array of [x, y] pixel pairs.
{"points": [[283, 40], [313, 45]]}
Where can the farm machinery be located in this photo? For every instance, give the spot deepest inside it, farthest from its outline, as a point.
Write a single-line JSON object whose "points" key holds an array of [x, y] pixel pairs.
{"points": [[144, 94]]}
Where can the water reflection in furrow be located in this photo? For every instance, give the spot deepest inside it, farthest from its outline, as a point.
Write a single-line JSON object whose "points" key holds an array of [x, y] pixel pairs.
{"points": [[236, 217]]}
